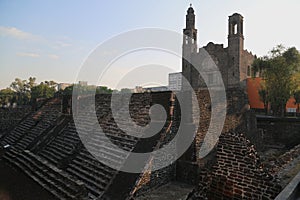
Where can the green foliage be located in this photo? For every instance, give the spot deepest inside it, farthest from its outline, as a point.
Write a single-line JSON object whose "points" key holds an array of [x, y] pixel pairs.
{"points": [[23, 92], [278, 71], [263, 94], [68, 90], [43, 90], [103, 90], [7, 96], [87, 90], [22, 89], [296, 78], [31, 82]]}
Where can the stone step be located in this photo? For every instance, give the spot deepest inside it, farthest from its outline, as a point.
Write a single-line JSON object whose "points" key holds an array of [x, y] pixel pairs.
{"points": [[52, 179], [92, 186], [51, 155]]}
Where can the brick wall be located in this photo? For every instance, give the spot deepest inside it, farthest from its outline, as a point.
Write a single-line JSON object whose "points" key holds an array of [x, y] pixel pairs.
{"points": [[237, 173]]}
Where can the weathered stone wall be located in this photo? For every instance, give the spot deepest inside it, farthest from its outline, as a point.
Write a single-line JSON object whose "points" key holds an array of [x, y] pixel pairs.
{"points": [[233, 171], [246, 63], [237, 173], [150, 180], [280, 132], [220, 56], [235, 121], [232, 64], [236, 102]]}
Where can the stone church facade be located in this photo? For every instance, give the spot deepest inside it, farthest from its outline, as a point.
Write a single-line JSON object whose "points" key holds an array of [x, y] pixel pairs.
{"points": [[233, 61]]}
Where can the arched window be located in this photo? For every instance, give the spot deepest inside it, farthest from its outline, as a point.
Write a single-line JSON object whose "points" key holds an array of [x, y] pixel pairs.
{"points": [[235, 29]]}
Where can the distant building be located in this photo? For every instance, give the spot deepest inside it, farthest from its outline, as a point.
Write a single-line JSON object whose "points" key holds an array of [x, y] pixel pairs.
{"points": [[138, 89], [175, 80], [253, 86], [83, 83], [157, 89], [62, 86]]}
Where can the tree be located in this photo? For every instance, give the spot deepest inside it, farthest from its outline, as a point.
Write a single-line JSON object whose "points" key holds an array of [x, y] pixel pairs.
{"points": [[31, 82], [103, 90], [43, 90], [51, 83], [22, 89], [68, 90], [264, 98], [296, 79], [278, 72], [7, 96]]}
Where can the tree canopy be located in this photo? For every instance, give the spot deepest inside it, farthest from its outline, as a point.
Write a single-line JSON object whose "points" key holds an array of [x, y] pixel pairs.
{"points": [[279, 70], [43, 90], [89, 89], [22, 89], [7, 96], [23, 92]]}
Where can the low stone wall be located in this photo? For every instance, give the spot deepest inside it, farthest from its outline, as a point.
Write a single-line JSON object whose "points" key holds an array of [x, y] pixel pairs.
{"points": [[278, 132], [292, 190]]}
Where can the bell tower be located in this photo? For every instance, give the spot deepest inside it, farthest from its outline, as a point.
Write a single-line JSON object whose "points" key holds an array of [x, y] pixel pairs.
{"points": [[189, 46], [235, 48], [190, 32]]}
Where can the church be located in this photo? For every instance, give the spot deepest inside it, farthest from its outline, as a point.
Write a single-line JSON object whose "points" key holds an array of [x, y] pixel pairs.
{"points": [[233, 61]]}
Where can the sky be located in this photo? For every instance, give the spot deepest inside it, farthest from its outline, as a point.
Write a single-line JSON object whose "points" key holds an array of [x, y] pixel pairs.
{"points": [[50, 40]]}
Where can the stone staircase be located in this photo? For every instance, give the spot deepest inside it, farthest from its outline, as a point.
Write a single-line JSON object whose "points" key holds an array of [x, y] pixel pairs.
{"points": [[95, 175], [56, 181], [62, 146], [61, 163], [33, 125], [48, 116], [18, 132]]}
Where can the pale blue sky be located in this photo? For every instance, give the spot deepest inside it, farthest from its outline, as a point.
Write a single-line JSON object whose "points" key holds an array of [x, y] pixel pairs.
{"points": [[51, 39]]}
